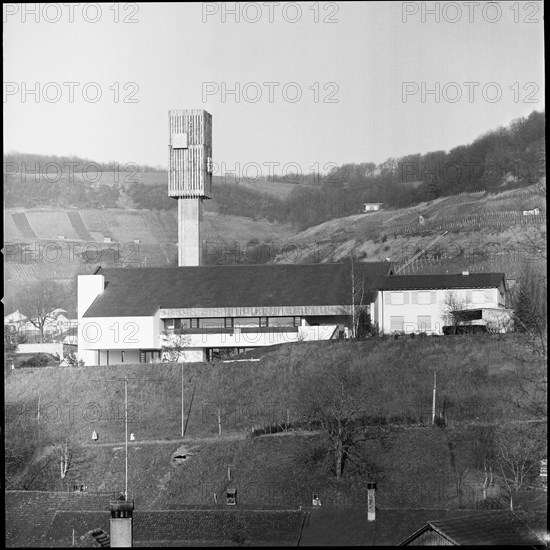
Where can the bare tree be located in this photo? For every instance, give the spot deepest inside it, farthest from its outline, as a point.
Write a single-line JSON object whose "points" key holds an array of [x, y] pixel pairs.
{"points": [[518, 449], [529, 301], [174, 344], [333, 397], [64, 454], [359, 310], [39, 303], [451, 308]]}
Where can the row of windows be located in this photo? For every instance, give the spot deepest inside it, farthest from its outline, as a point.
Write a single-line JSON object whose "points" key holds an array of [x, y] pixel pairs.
{"points": [[427, 297], [232, 322], [423, 323]]}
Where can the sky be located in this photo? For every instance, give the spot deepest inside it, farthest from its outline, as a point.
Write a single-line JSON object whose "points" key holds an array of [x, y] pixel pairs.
{"points": [[312, 84]]}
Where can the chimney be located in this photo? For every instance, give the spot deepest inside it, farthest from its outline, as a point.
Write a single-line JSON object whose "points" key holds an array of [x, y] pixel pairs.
{"points": [[121, 523], [371, 504]]}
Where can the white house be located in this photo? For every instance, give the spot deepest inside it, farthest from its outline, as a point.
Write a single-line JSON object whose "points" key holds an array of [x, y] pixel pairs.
{"points": [[429, 303], [125, 313], [372, 206]]}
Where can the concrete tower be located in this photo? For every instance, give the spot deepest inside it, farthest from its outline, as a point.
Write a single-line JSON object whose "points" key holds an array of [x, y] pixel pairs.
{"points": [[190, 177]]}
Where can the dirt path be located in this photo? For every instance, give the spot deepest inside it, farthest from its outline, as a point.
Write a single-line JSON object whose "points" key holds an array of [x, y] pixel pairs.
{"points": [[188, 439]]}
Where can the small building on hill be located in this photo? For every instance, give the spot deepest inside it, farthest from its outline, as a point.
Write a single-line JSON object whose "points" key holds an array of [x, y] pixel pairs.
{"points": [[372, 206]]}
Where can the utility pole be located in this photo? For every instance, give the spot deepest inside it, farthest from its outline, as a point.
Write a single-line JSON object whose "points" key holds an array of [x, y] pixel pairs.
{"points": [[126, 438], [125, 380], [182, 412], [433, 399]]}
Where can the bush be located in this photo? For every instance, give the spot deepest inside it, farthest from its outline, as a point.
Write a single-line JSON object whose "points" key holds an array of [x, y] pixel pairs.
{"points": [[39, 360]]}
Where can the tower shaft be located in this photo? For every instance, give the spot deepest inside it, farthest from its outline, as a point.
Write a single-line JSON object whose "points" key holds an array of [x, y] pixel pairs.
{"points": [[189, 231]]}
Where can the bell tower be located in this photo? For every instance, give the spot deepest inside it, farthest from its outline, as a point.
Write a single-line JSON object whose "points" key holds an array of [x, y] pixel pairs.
{"points": [[190, 177]]}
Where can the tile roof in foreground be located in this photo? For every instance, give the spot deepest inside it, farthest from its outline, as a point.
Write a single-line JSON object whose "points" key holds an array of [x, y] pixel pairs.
{"points": [[494, 528]]}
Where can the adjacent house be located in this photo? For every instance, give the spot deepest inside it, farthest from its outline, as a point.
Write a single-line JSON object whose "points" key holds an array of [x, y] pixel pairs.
{"points": [[430, 303], [492, 528]]}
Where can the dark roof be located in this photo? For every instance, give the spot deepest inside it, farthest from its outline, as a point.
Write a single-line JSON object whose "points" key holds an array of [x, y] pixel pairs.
{"points": [[500, 528], [326, 526], [473, 280], [141, 291], [30, 513], [158, 526]]}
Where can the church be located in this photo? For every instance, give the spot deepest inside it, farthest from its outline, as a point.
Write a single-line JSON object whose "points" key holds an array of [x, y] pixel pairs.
{"points": [[202, 313]]}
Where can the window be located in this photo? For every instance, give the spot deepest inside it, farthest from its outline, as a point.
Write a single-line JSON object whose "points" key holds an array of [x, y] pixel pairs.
{"points": [[297, 321], [169, 324], [194, 323], [229, 322], [212, 322], [424, 298], [122, 356], [246, 322], [397, 298], [263, 322], [424, 323], [481, 296], [396, 323], [282, 321]]}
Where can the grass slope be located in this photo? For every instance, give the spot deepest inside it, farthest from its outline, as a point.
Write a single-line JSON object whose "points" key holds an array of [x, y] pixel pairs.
{"points": [[480, 379]]}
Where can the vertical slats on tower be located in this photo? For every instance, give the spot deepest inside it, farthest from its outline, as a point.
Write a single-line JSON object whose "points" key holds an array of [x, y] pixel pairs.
{"points": [[188, 175]]}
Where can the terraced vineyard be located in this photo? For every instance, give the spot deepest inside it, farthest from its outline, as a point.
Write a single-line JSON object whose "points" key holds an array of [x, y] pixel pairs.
{"points": [[59, 244]]}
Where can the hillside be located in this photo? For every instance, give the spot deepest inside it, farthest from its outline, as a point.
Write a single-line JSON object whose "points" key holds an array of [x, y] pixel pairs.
{"points": [[486, 232], [481, 380]]}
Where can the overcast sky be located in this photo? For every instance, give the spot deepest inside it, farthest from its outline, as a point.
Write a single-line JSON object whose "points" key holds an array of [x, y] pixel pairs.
{"points": [[360, 68]]}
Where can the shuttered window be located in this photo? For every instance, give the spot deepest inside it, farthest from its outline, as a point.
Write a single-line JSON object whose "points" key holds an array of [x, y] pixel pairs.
{"points": [[397, 298], [424, 323], [424, 297], [396, 323]]}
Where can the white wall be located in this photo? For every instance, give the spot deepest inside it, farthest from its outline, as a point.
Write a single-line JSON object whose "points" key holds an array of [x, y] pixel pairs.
{"points": [[52, 348], [89, 288], [118, 333]]}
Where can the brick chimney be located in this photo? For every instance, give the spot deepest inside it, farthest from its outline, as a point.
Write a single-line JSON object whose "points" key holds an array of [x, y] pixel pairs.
{"points": [[121, 523], [371, 503]]}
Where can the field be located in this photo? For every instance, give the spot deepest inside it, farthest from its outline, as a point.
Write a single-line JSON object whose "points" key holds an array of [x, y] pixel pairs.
{"points": [[480, 379]]}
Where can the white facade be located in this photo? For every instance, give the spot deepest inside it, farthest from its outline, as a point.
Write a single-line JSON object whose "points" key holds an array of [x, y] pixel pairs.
{"points": [[135, 339], [372, 206], [427, 310]]}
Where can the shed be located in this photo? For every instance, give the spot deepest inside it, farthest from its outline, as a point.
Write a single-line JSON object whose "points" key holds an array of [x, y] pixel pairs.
{"points": [[372, 206]]}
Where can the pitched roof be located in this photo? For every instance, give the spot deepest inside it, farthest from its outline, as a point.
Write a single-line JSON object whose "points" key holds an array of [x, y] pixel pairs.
{"points": [[488, 528], [327, 526], [169, 526], [473, 280], [141, 291]]}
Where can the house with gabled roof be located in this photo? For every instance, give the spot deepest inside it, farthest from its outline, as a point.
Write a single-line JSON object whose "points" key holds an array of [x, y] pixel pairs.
{"points": [[489, 528], [425, 303]]}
